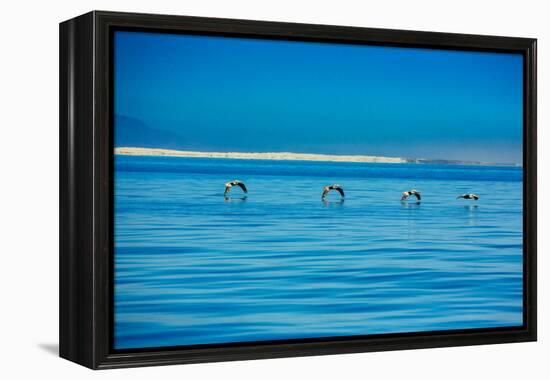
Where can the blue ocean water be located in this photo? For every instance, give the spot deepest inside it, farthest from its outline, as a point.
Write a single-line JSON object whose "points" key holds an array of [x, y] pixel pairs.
{"points": [[194, 268]]}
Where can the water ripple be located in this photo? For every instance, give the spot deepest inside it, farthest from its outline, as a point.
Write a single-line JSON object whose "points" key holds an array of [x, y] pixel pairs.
{"points": [[191, 268]]}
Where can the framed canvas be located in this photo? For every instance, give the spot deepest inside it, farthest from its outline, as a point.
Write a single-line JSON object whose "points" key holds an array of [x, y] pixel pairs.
{"points": [[236, 189]]}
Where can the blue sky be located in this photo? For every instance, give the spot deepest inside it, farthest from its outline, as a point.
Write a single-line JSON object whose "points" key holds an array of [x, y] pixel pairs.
{"points": [[235, 94]]}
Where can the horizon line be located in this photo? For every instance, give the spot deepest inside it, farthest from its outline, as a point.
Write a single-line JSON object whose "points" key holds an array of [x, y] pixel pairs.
{"points": [[291, 156]]}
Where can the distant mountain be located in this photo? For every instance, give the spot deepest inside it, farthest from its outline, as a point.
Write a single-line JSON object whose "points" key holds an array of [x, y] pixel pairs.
{"points": [[133, 132]]}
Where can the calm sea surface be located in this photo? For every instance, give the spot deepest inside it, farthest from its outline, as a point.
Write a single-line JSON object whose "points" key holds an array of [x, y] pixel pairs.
{"points": [[194, 268]]}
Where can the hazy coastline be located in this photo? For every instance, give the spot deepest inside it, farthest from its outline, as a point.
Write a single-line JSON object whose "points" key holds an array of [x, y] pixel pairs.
{"points": [[136, 151]]}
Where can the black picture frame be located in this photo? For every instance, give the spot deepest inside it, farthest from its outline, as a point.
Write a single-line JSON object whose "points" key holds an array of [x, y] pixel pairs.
{"points": [[86, 188]]}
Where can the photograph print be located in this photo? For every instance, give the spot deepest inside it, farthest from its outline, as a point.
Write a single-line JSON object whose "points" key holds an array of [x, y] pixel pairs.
{"points": [[273, 190]]}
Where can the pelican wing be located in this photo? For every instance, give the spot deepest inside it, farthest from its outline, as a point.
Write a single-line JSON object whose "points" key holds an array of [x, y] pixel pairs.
{"points": [[475, 197], [340, 190], [242, 186], [325, 192], [417, 195]]}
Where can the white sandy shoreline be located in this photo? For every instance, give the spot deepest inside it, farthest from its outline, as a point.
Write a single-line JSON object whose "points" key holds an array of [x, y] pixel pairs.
{"points": [[131, 151], [288, 156]]}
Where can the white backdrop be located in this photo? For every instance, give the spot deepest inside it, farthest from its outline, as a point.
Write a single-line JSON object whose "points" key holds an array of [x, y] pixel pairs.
{"points": [[29, 187]]}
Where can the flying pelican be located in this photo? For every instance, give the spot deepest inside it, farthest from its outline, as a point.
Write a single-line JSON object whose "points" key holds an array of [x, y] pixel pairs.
{"points": [[407, 194], [468, 196], [338, 188], [236, 182]]}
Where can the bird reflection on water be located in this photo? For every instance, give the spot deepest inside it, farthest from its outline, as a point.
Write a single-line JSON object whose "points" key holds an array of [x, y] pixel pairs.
{"points": [[406, 204], [471, 214], [234, 199], [339, 202]]}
